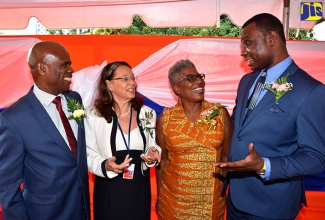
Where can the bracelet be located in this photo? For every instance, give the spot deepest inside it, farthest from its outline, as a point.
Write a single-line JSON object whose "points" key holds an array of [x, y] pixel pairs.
{"points": [[263, 170]]}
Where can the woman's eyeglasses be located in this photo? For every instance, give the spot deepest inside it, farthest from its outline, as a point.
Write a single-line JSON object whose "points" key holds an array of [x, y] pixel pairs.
{"points": [[191, 78], [127, 78]]}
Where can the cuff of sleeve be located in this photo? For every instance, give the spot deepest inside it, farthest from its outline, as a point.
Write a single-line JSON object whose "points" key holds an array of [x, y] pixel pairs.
{"points": [[267, 164], [107, 174], [151, 165], [103, 166], [155, 163]]}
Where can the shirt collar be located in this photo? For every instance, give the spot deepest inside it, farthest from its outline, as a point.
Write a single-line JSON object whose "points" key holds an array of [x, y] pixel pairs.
{"points": [[275, 71], [44, 97]]}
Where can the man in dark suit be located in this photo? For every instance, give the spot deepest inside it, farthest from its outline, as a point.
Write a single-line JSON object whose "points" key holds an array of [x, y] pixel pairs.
{"points": [[44, 170], [281, 139]]}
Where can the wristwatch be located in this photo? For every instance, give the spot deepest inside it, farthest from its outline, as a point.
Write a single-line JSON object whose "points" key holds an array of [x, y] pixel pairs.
{"points": [[263, 170]]}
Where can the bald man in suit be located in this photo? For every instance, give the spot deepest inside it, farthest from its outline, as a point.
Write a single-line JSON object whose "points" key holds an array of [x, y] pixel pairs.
{"points": [[35, 150]]}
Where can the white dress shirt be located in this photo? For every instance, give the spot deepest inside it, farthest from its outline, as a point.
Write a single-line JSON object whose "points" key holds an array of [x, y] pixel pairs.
{"points": [[46, 100]]}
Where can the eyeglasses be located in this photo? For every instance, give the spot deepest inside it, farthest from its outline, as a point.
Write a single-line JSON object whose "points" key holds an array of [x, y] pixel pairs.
{"points": [[127, 78], [191, 78]]}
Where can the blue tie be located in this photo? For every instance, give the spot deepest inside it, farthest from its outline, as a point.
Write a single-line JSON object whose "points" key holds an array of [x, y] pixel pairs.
{"points": [[251, 103]]}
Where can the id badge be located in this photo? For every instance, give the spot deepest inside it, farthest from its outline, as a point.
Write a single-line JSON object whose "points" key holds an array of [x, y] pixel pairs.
{"points": [[129, 172]]}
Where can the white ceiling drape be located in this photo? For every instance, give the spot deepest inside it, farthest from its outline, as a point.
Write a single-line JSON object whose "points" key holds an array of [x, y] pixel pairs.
{"points": [[59, 14], [16, 78]]}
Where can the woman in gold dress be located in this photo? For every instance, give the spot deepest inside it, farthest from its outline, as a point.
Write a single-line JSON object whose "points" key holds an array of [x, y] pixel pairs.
{"points": [[193, 135]]}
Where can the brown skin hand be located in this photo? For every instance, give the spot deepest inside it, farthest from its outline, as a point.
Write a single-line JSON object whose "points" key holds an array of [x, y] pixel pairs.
{"points": [[252, 163]]}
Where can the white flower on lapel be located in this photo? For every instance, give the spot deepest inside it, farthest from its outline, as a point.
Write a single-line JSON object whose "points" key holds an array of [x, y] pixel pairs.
{"points": [[77, 109], [148, 123]]}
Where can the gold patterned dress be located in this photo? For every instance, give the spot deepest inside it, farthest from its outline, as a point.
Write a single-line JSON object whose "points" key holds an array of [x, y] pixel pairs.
{"points": [[189, 187]]}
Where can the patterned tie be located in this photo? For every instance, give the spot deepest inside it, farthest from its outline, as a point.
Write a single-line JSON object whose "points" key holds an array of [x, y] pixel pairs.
{"points": [[251, 103], [67, 127]]}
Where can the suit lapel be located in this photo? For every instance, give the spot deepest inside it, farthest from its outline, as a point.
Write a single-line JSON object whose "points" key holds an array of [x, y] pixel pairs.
{"points": [[292, 69], [244, 98], [39, 113], [258, 108], [268, 97], [81, 134]]}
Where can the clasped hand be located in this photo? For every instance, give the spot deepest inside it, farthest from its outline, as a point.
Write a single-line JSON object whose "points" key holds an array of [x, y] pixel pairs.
{"points": [[253, 162], [117, 168], [152, 156]]}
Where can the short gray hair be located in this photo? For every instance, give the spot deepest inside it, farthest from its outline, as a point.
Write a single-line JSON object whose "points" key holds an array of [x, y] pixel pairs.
{"points": [[175, 70]]}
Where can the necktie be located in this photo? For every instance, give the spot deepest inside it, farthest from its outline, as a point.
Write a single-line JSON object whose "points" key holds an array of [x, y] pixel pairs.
{"points": [[251, 103], [67, 127]]}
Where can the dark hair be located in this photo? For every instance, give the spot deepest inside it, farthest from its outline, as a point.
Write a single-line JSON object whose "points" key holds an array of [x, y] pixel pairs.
{"points": [[265, 23], [175, 70], [104, 101]]}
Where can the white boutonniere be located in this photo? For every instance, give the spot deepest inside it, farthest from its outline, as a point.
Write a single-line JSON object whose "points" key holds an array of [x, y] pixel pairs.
{"points": [[208, 116], [148, 123], [77, 109], [279, 88]]}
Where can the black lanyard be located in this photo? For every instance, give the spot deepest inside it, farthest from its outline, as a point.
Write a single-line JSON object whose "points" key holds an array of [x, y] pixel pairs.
{"points": [[126, 145]]}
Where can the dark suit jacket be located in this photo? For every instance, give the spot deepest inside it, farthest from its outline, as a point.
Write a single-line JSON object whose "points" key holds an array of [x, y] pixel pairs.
{"points": [[33, 152], [291, 134]]}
